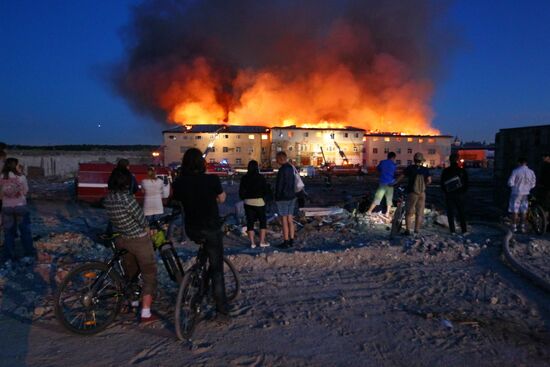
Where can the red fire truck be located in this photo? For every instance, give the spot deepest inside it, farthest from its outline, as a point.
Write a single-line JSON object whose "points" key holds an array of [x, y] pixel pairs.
{"points": [[92, 178]]}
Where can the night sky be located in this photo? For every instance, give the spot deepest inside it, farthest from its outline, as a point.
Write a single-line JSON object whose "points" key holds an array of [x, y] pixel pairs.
{"points": [[55, 55]]}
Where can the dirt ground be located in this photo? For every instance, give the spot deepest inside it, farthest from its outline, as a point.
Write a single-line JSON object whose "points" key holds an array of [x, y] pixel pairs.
{"points": [[345, 296]]}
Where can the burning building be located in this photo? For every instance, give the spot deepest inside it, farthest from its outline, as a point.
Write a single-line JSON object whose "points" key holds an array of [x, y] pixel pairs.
{"points": [[235, 145], [435, 148]]}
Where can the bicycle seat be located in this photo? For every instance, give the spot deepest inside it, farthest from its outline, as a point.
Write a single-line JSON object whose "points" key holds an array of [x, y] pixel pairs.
{"points": [[108, 236]]}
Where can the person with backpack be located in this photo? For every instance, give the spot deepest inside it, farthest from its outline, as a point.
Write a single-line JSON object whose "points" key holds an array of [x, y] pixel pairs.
{"points": [[15, 212], [253, 190], [386, 168], [418, 178], [285, 198], [454, 183]]}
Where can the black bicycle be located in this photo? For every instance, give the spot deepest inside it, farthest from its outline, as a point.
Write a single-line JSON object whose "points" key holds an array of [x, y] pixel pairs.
{"points": [[537, 216], [399, 214], [195, 295]]}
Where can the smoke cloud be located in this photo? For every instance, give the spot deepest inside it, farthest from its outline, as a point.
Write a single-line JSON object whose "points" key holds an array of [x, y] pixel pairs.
{"points": [[364, 63]]}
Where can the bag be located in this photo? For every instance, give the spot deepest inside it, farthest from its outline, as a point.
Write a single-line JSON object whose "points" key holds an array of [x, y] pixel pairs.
{"points": [[298, 183], [453, 184], [419, 186]]}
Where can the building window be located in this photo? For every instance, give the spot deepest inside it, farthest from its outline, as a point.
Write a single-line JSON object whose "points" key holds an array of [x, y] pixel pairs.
{"points": [[346, 135], [185, 137], [279, 149], [431, 140], [386, 150], [398, 151], [264, 136], [226, 136], [198, 137], [374, 150], [225, 149], [250, 150], [409, 162], [306, 135], [290, 149], [375, 139], [431, 151], [263, 149], [290, 134], [420, 140], [251, 137], [409, 150], [332, 136], [238, 149], [387, 139], [238, 136], [363, 150], [355, 149], [374, 162], [238, 161], [398, 140], [409, 139], [432, 163], [356, 135], [212, 160], [213, 149], [398, 162], [172, 137]]}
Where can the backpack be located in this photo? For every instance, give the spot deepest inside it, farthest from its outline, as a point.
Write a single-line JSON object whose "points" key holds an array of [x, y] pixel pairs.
{"points": [[419, 185]]}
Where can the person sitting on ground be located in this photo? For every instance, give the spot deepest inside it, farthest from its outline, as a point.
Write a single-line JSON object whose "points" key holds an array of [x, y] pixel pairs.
{"points": [[15, 212], [128, 220], [418, 179], [285, 198], [386, 168], [253, 189], [521, 181], [199, 195], [454, 183], [153, 188]]}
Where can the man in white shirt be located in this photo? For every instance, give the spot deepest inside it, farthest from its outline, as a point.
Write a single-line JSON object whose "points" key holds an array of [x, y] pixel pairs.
{"points": [[521, 181]]}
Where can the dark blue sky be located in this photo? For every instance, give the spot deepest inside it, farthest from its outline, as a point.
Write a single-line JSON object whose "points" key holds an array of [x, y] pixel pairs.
{"points": [[51, 90]]}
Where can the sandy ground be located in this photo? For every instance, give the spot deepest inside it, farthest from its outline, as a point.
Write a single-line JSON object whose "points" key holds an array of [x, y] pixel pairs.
{"points": [[346, 296]]}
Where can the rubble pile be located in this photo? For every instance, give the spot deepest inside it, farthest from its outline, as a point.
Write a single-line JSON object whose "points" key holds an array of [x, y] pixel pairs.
{"points": [[51, 188], [533, 253], [436, 245]]}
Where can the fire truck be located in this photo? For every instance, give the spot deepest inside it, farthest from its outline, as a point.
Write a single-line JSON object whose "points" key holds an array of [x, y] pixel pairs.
{"points": [[92, 179]]}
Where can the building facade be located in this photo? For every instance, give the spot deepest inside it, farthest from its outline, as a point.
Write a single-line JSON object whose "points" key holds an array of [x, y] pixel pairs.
{"points": [[436, 149], [236, 145], [306, 146]]}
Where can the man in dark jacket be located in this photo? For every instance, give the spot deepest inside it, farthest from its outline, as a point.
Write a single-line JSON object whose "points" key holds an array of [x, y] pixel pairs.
{"points": [[285, 198], [200, 194], [454, 183]]}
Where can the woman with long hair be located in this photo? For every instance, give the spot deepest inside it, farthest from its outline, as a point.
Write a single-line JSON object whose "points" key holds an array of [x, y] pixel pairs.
{"points": [[152, 187], [253, 190], [15, 212]]}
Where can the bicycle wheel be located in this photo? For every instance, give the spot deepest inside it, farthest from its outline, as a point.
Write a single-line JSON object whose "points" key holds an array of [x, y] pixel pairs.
{"points": [[172, 263], [89, 298], [537, 218], [397, 220], [231, 279], [188, 304]]}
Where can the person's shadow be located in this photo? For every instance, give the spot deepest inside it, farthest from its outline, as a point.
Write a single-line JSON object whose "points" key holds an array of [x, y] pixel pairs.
{"points": [[23, 293]]}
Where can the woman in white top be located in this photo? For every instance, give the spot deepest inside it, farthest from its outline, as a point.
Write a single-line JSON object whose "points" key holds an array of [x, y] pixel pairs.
{"points": [[153, 188], [15, 213]]}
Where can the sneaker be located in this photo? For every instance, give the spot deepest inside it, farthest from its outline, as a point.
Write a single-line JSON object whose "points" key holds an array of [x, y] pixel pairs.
{"points": [[291, 242], [252, 245], [284, 245], [264, 244]]}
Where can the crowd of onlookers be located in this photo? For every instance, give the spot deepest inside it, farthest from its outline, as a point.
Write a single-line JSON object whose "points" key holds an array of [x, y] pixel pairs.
{"points": [[199, 194]]}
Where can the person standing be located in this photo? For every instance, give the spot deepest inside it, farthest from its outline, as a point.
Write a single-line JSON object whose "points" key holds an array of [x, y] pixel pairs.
{"points": [[199, 195], [521, 181], [128, 220], [153, 188], [285, 198], [15, 212], [253, 189], [386, 169], [454, 183], [418, 178]]}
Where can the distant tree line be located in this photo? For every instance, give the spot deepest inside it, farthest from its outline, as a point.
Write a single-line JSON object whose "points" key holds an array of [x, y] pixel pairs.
{"points": [[83, 147]]}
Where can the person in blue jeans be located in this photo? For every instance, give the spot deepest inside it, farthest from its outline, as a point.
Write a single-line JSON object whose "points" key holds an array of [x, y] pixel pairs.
{"points": [[15, 212], [386, 169], [285, 198]]}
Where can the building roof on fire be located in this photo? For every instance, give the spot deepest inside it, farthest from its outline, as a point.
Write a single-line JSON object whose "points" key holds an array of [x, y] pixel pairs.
{"points": [[294, 127], [214, 128], [398, 135]]}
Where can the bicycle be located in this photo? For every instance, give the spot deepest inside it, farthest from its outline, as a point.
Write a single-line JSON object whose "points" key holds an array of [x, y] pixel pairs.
{"points": [[194, 293], [399, 213], [91, 296], [537, 216]]}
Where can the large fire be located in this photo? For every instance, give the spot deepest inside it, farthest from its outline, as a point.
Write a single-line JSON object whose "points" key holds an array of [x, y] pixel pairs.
{"points": [[343, 63]]}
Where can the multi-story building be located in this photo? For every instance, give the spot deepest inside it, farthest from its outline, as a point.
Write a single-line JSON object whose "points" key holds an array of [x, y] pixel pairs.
{"points": [[235, 145], [306, 146], [436, 149]]}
